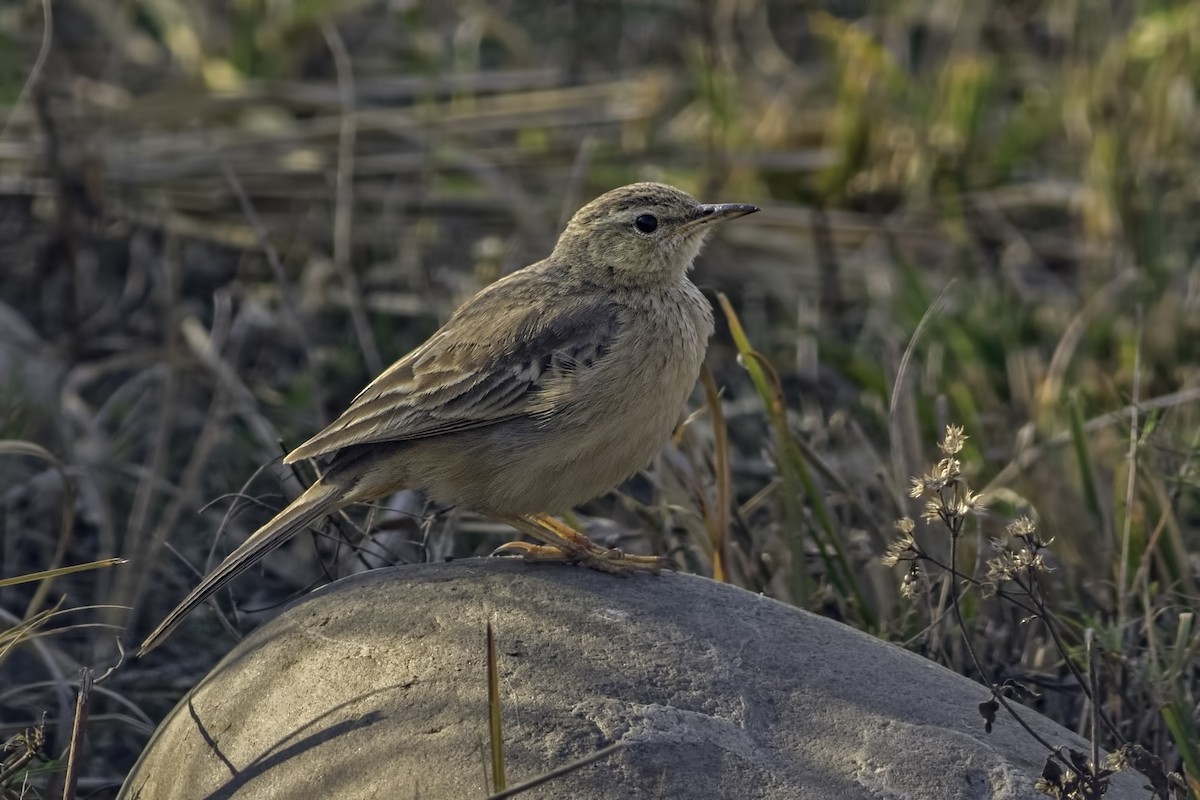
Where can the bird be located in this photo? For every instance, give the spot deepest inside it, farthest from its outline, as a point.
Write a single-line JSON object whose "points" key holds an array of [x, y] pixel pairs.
{"points": [[549, 387]]}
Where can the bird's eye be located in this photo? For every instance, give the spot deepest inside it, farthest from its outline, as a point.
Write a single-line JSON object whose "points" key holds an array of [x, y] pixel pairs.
{"points": [[646, 223]]}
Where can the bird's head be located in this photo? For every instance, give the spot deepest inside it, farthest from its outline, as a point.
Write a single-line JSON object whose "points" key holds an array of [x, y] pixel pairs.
{"points": [[641, 234]]}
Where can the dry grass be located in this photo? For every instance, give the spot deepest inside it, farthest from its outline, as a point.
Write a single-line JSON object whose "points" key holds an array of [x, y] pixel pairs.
{"points": [[216, 226]]}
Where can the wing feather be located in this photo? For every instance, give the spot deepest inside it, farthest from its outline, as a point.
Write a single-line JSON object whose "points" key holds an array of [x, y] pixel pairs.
{"points": [[492, 362]]}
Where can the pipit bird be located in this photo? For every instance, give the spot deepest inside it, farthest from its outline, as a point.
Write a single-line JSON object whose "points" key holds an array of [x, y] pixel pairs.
{"points": [[547, 388]]}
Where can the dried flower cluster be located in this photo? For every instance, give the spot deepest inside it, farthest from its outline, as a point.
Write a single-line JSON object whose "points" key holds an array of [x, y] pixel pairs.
{"points": [[905, 548], [1024, 559], [947, 496], [1019, 559]]}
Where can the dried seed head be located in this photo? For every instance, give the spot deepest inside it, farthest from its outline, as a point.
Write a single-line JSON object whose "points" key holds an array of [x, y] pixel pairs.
{"points": [[902, 549], [954, 439], [918, 487], [1022, 526]]}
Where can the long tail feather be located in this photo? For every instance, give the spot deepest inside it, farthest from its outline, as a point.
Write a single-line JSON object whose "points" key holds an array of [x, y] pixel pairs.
{"points": [[319, 500]]}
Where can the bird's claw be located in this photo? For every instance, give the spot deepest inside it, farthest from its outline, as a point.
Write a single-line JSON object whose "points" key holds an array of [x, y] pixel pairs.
{"points": [[612, 560]]}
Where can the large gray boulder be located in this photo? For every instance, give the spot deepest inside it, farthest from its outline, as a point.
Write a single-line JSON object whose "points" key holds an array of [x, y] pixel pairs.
{"points": [[375, 687]]}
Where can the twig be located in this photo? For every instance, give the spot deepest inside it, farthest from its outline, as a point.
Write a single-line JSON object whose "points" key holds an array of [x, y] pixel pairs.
{"points": [[899, 470], [1043, 613], [1130, 483], [579, 171], [141, 542], [1089, 639], [32, 742], [74, 753], [955, 528], [719, 519], [495, 721], [39, 65], [67, 525], [285, 290], [1026, 458], [566, 769], [953, 523], [343, 215]]}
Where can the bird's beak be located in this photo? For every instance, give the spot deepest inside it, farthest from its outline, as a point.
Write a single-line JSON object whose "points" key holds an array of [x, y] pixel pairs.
{"points": [[712, 212]]}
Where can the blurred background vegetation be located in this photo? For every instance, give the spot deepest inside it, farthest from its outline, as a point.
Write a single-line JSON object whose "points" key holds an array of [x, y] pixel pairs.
{"points": [[219, 220]]}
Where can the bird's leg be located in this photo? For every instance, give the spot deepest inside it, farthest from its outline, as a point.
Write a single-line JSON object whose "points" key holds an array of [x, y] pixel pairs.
{"points": [[564, 543]]}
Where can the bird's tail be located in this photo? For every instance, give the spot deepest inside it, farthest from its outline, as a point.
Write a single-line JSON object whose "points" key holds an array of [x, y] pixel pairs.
{"points": [[320, 499]]}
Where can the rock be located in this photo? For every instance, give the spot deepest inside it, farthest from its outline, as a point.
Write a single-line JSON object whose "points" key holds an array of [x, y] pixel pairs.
{"points": [[375, 687]]}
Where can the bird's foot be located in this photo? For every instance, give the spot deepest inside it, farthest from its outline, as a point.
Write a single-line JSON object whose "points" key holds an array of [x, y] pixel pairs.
{"points": [[564, 544]]}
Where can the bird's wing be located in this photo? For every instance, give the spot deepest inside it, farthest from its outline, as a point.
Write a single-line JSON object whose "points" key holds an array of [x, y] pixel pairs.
{"points": [[506, 354]]}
